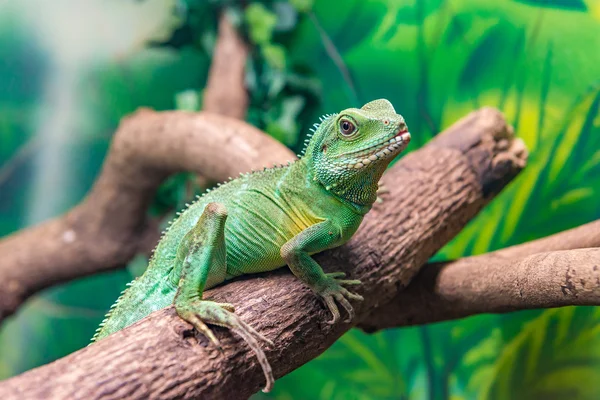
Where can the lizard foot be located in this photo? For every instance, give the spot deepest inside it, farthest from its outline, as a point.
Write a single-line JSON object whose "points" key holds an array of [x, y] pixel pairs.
{"points": [[332, 290], [200, 313]]}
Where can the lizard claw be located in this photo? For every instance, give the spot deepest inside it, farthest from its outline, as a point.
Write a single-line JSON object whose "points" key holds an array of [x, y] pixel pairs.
{"points": [[201, 327], [204, 312], [334, 291]]}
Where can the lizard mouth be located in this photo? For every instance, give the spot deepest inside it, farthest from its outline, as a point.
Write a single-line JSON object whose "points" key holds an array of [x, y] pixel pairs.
{"points": [[387, 149]]}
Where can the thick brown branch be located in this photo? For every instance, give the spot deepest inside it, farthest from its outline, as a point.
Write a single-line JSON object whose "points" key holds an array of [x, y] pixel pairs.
{"points": [[544, 273], [433, 193], [109, 226]]}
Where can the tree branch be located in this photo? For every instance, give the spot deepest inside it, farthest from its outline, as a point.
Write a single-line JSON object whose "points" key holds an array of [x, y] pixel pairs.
{"points": [[106, 230], [433, 193], [225, 91], [109, 227], [560, 270]]}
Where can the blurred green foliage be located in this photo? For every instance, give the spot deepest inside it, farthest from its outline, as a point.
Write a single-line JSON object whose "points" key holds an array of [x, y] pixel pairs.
{"points": [[436, 60]]}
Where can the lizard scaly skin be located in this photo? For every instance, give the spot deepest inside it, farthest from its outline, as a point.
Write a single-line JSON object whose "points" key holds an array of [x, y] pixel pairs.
{"points": [[268, 219]]}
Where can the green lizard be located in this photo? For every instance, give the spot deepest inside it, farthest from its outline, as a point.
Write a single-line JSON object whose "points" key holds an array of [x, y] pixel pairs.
{"points": [[264, 220]]}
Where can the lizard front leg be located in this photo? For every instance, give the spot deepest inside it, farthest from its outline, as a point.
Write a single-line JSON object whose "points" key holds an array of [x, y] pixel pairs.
{"points": [[296, 253], [201, 258]]}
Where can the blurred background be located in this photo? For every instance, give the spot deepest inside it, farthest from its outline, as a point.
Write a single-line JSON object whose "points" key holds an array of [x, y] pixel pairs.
{"points": [[70, 70]]}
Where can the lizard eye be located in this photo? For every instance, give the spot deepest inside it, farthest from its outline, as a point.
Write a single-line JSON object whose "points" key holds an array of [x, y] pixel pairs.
{"points": [[347, 128]]}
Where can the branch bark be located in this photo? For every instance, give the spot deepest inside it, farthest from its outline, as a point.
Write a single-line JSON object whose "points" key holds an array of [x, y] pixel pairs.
{"points": [[559, 270], [107, 229], [433, 193], [110, 226]]}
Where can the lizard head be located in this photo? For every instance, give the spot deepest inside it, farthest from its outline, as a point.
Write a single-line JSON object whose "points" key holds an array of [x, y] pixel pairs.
{"points": [[350, 150]]}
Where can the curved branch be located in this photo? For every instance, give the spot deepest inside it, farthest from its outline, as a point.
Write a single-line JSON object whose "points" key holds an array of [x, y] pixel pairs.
{"points": [[110, 225], [433, 193], [559, 270]]}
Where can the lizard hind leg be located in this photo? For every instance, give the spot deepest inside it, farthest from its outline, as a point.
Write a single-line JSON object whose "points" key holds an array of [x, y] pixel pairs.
{"points": [[201, 260]]}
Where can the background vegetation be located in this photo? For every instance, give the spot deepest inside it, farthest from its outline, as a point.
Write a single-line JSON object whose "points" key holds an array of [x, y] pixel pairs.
{"points": [[64, 85]]}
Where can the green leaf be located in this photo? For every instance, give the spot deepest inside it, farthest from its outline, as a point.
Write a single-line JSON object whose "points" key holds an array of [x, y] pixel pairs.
{"points": [[261, 23], [572, 197], [546, 359], [274, 54], [574, 5], [188, 100]]}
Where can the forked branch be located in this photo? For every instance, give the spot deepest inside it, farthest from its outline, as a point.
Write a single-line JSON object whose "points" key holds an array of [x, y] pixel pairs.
{"points": [[110, 225], [560, 270]]}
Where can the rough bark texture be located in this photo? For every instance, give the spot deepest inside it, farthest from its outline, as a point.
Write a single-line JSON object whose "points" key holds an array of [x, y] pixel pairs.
{"points": [[545, 273], [433, 192], [110, 225]]}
